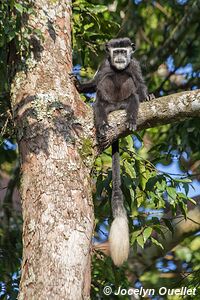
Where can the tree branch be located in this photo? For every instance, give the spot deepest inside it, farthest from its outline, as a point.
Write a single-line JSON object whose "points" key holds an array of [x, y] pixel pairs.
{"points": [[164, 110]]}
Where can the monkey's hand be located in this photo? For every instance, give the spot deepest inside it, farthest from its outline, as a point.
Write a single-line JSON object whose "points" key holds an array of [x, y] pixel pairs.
{"points": [[75, 81], [131, 125], [150, 97]]}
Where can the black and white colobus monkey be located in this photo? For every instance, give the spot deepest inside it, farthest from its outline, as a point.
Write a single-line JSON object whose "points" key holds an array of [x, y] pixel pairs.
{"points": [[119, 85]]}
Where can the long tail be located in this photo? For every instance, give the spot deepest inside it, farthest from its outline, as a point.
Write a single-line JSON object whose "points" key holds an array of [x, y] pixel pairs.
{"points": [[119, 232]]}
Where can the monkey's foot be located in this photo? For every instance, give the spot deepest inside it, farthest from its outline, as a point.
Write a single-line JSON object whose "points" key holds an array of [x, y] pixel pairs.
{"points": [[150, 97], [75, 81], [131, 125]]}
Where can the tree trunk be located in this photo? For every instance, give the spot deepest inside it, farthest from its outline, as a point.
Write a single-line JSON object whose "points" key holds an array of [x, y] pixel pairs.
{"points": [[51, 124]]}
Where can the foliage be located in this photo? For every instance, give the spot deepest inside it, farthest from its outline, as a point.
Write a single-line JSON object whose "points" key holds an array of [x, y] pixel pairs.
{"points": [[15, 45], [11, 253], [147, 193], [90, 33], [182, 271], [143, 186]]}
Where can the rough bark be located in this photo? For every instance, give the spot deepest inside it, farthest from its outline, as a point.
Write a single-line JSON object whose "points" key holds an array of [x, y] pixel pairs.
{"points": [[52, 134]]}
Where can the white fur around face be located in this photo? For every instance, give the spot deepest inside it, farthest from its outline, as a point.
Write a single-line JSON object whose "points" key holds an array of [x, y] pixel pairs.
{"points": [[121, 60]]}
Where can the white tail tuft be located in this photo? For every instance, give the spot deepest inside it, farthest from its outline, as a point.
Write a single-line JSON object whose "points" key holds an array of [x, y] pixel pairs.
{"points": [[119, 240]]}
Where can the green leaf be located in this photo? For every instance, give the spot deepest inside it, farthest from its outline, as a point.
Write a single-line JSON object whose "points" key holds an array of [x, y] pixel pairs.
{"points": [[186, 188], [161, 185], [183, 208], [171, 192], [99, 8], [129, 142], [192, 200], [19, 7], [146, 234], [132, 194], [129, 169], [140, 197], [140, 240], [168, 223], [151, 183], [154, 241], [158, 229], [87, 26], [135, 235], [183, 180], [142, 174]]}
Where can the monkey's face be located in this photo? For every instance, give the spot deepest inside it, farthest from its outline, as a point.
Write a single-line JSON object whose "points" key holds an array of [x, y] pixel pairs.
{"points": [[120, 57]]}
